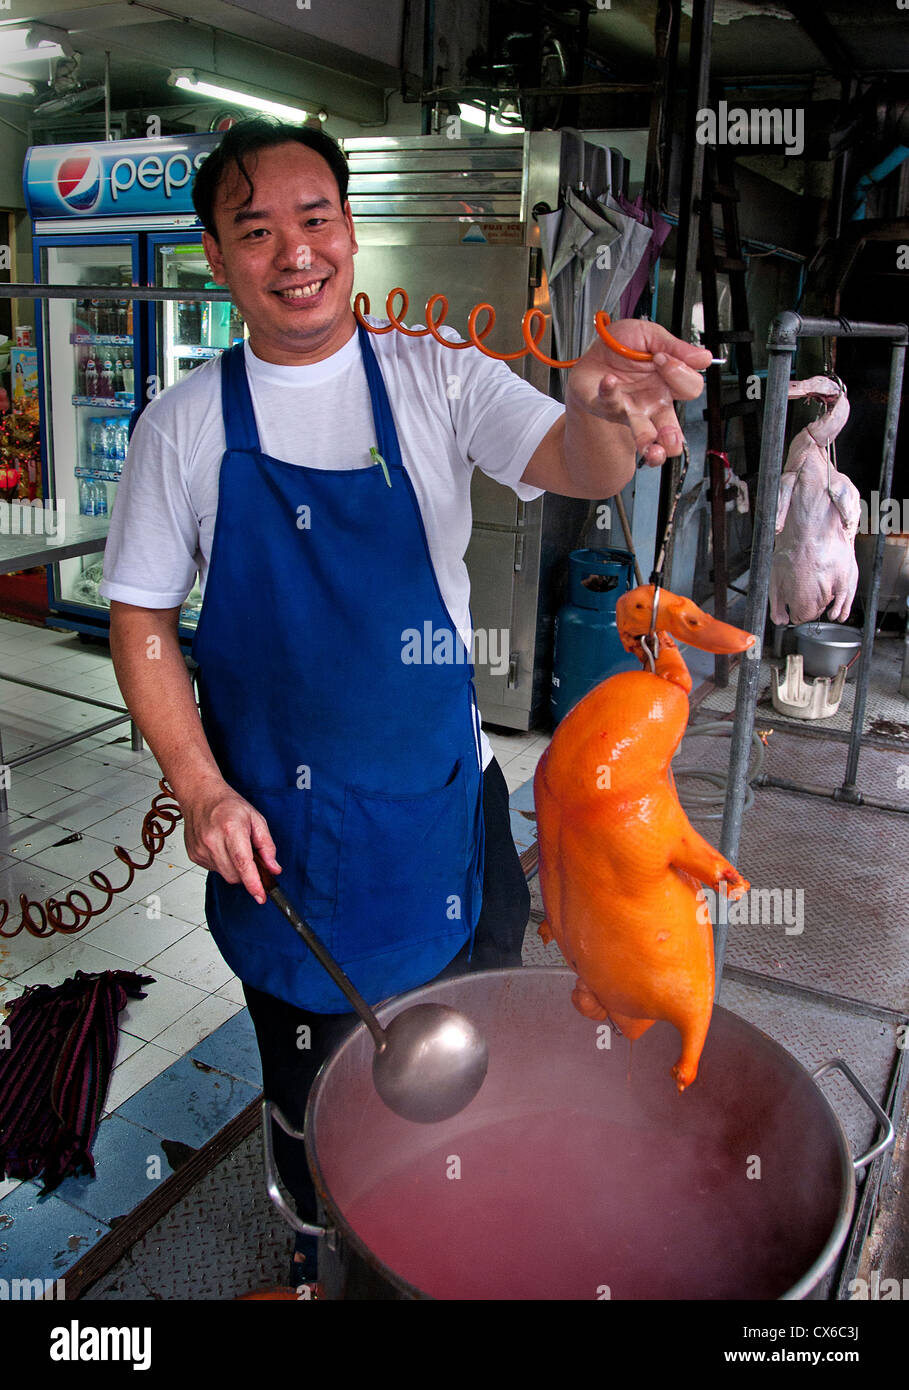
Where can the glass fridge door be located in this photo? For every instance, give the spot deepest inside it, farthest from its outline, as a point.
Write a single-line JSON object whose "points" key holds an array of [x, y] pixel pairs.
{"points": [[88, 395], [187, 333]]}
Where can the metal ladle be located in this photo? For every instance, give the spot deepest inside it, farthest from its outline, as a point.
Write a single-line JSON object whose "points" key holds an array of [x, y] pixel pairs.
{"points": [[429, 1062]]}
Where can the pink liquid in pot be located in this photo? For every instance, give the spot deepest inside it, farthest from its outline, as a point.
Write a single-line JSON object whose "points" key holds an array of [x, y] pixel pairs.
{"points": [[568, 1205]]}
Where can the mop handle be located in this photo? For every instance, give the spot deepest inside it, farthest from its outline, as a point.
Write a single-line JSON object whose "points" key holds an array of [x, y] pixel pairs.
{"points": [[533, 326]]}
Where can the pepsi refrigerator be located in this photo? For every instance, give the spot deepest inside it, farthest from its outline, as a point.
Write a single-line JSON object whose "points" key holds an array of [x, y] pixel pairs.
{"points": [[113, 213]]}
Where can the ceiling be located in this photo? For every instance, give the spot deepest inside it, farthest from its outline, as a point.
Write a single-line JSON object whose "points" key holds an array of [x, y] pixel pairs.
{"points": [[346, 55]]}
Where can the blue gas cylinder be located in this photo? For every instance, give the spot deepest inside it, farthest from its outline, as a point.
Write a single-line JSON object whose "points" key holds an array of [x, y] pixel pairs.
{"points": [[587, 643]]}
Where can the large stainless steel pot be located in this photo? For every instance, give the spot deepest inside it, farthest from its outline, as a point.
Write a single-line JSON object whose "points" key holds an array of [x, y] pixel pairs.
{"points": [[579, 1171]]}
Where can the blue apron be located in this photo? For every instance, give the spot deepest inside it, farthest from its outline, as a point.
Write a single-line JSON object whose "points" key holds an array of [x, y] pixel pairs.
{"points": [[338, 699]]}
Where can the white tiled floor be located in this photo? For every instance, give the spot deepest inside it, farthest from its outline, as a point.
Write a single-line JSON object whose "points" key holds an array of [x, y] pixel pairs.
{"points": [[101, 789]]}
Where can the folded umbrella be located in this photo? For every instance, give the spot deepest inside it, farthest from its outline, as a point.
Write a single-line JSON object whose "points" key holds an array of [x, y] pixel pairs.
{"points": [[55, 1070]]}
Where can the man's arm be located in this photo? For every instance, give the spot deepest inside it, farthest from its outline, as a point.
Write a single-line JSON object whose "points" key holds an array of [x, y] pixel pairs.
{"points": [[615, 406], [156, 687]]}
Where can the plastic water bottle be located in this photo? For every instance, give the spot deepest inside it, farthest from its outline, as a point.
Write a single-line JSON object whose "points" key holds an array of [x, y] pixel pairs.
{"points": [[86, 498], [95, 443], [100, 498], [108, 443]]}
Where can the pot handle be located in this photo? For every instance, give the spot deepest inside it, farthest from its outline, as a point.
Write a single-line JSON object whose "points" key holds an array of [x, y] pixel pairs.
{"points": [[270, 1111], [837, 1064]]}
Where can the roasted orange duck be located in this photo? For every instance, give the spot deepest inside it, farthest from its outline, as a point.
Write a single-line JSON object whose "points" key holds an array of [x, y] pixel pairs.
{"points": [[620, 864]]}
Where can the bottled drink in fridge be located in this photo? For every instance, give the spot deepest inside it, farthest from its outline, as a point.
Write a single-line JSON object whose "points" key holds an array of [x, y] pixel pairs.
{"points": [[86, 499], [90, 376], [106, 376], [127, 373], [96, 443], [109, 444], [100, 498], [189, 322]]}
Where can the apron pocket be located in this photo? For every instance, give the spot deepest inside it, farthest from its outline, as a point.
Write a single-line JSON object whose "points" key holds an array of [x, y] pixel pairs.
{"points": [[289, 814], [403, 869]]}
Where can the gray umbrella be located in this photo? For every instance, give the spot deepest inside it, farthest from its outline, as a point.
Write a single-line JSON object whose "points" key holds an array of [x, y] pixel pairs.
{"points": [[573, 241]]}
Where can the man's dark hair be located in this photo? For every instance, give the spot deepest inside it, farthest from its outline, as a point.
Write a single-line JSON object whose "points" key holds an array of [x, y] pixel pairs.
{"points": [[247, 138]]}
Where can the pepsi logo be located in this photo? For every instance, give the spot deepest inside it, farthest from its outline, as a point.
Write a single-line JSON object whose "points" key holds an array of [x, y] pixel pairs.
{"points": [[78, 180]]}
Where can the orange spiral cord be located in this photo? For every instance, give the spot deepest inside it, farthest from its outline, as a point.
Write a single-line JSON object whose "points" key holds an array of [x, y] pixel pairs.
{"points": [[533, 319], [42, 919]]}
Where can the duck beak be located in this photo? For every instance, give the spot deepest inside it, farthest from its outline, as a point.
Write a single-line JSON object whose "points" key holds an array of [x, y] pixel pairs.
{"points": [[688, 623]]}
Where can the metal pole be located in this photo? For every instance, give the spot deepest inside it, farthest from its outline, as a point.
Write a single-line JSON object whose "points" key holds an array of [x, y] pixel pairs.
{"points": [[782, 346], [685, 288], [118, 292], [897, 363], [785, 332]]}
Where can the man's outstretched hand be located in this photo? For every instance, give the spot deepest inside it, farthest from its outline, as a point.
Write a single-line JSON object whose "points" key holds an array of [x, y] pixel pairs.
{"points": [[640, 394]]}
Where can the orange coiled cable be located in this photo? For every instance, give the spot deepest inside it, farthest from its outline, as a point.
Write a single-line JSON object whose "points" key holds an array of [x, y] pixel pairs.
{"points": [[533, 326], [75, 911]]}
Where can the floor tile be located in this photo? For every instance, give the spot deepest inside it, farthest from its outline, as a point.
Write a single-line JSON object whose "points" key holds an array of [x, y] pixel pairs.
{"points": [[67, 768], [63, 964], [30, 794], [134, 935], [80, 810], [72, 858], [145, 881], [194, 959], [166, 1001], [129, 1164], [33, 834], [43, 1237], [233, 1049], [126, 1046], [232, 990], [194, 1027], [24, 951], [124, 827], [124, 786], [138, 1069], [189, 1104], [184, 897]]}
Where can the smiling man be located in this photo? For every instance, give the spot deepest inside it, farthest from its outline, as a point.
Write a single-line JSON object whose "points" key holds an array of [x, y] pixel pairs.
{"points": [[318, 479]]}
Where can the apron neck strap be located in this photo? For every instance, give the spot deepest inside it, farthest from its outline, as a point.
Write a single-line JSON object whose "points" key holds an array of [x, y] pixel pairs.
{"points": [[236, 402], [386, 434]]}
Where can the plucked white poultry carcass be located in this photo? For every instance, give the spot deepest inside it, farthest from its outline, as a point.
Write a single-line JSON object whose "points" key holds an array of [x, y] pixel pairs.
{"points": [[818, 514]]}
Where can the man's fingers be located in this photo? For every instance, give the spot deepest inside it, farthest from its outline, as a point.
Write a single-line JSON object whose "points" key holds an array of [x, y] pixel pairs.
{"points": [[683, 381], [642, 429], [239, 850], [668, 432], [264, 846], [664, 342]]}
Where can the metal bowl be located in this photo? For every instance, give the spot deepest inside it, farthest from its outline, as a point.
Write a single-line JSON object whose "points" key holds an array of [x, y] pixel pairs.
{"points": [[825, 647]]}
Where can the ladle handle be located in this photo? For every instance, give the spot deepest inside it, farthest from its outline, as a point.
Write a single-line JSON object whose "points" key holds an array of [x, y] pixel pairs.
{"points": [[322, 955]]}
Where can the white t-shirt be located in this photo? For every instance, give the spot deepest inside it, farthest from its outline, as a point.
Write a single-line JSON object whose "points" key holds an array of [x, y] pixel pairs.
{"points": [[454, 411]]}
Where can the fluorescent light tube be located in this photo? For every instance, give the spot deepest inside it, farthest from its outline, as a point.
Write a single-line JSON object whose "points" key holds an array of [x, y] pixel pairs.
{"points": [[191, 82], [12, 87], [15, 50], [476, 115]]}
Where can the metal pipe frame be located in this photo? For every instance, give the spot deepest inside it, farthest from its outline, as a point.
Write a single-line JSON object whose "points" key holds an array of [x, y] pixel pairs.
{"points": [[785, 333], [117, 292]]}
